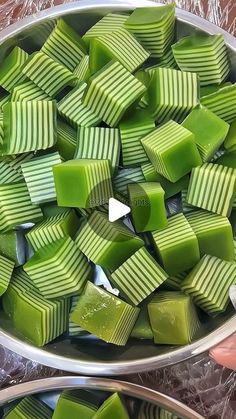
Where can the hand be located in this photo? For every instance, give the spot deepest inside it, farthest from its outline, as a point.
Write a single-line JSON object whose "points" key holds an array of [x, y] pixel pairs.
{"points": [[225, 353]]}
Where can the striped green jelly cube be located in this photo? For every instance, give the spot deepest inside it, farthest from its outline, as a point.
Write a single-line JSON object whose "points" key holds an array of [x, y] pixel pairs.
{"points": [[172, 150], [4, 98], [15, 161], [74, 111], [28, 126], [170, 188], [222, 103], [107, 94], [205, 55], [172, 94], [107, 244], [167, 61], [11, 69], [120, 46], [209, 283], [58, 269], [99, 143], [66, 140], [1, 129], [6, 269], [132, 129], [144, 78], [30, 408], [39, 178], [148, 410], [125, 177], [111, 408], [177, 245], [201, 121], [73, 328], [185, 206], [91, 179], [82, 70], [212, 88], [110, 23], [53, 228], [16, 207], [76, 403], [28, 91], [173, 283], [7, 173], [138, 277], [64, 45], [212, 187], [214, 234], [173, 318], [147, 206], [105, 315], [153, 27], [12, 245], [230, 141], [48, 74]]}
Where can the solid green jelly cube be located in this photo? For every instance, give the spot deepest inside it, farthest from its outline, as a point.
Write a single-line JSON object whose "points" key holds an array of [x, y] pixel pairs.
{"points": [[112, 408], [142, 328], [147, 206], [214, 234], [173, 318], [177, 245], [209, 130], [76, 404], [104, 315], [83, 183], [172, 150]]}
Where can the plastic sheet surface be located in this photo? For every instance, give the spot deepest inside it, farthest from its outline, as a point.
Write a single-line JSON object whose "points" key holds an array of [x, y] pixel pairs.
{"points": [[200, 383]]}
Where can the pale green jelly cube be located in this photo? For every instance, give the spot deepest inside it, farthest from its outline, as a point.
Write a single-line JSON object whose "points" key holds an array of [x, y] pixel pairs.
{"points": [[112, 408], [104, 315], [76, 404], [176, 245], [209, 130], [147, 206], [173, 318], [84, 183], [172, 150]]}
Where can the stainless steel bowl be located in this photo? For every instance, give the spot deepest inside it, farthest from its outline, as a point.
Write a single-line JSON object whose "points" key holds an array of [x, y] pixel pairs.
{"points": [[48, 391], [87, 356]]}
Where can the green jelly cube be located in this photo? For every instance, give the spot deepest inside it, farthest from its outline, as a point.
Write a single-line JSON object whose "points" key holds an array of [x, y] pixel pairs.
{"points": [[107, 244], [142, 328], [83, 183], [147, 206], [212, 88], [109, 23], [29, 408], [212, 187], [177, 245], [214, 234], [12, 245], [209, 130], [138, 276], [112, 408], [173, 318], [230, 141], [222, 103], [11, 69], [66, 140], [76, 404], [170, 188], [105, 315], [228, 159], [58, 269], [172, 150], [209, 283], [6, 269], [126, 177]]}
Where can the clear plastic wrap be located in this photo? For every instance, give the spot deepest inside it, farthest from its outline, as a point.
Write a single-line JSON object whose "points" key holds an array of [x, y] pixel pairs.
{"points": [[200, 383]]}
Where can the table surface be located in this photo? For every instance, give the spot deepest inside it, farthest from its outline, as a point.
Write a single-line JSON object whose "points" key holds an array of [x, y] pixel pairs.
{"points": [[200, 382]]}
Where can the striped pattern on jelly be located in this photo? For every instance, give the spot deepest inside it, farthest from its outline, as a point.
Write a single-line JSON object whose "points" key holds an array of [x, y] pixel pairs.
{"points": [[99, 143], [212, 187], [185, 206], [125, 177], [30, 407], [120, 46], [108, 24], [138, 277], [64, 45], [28, 91], [6, 269], [66, 140], [167, 61], [3, 100], [165, 414], [222, 103], [75, 111], [172, 94], [174, 282], [107, 94], [125, 325], [209, 282], [148, 411], [58, 269], [73, 328], [8, 174], [52, 229], [82, 71], [16, 207], [205, 55], [17, 160], [39, 178], [11, 69], [49, 75], [28, 126]]}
